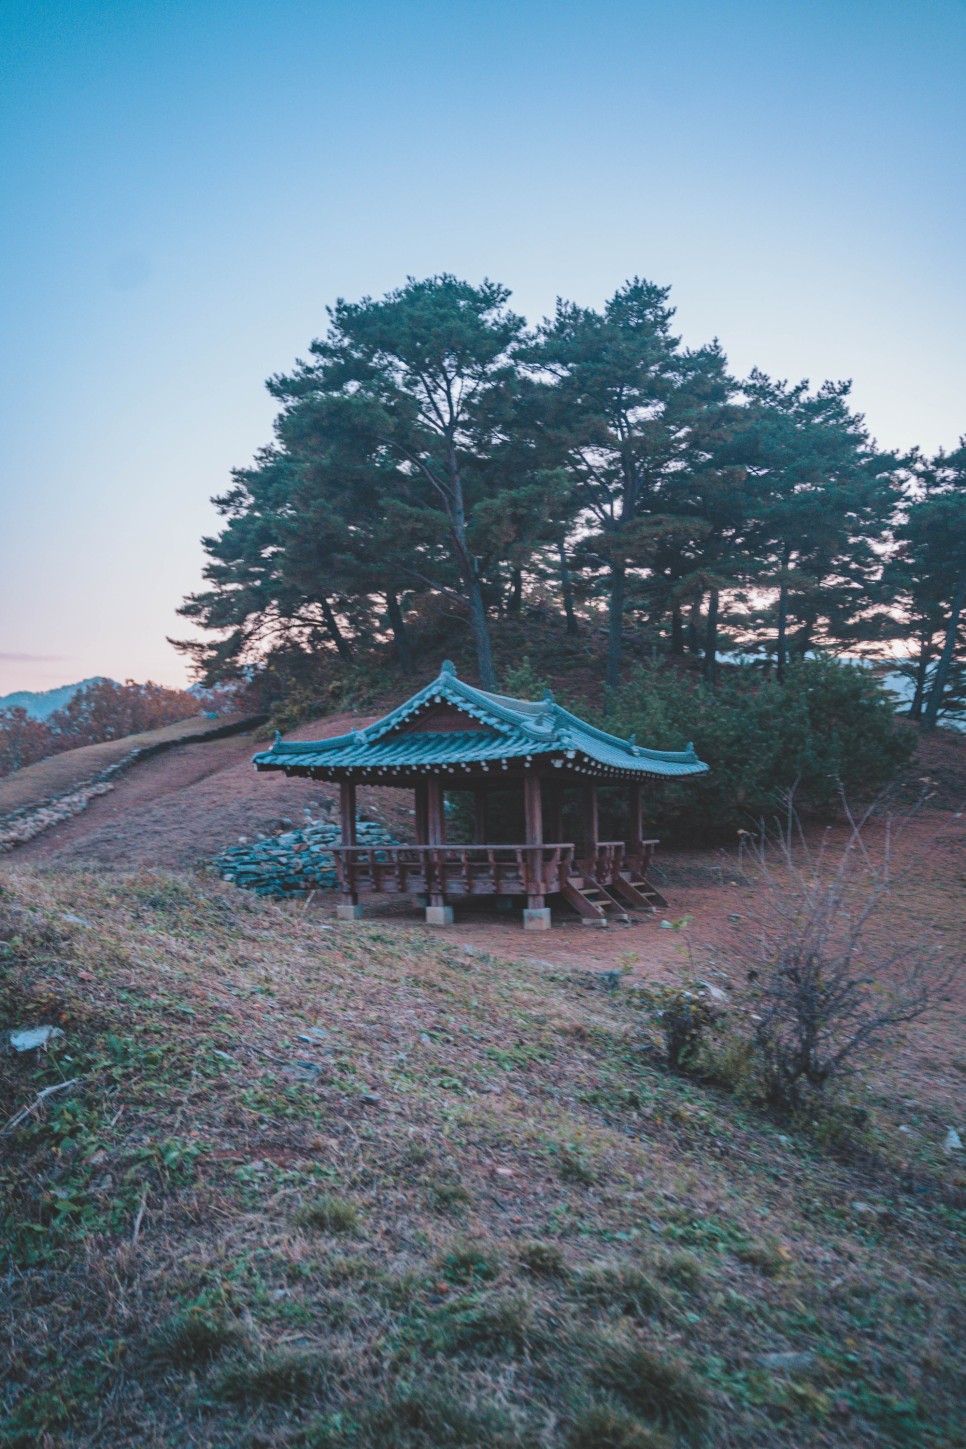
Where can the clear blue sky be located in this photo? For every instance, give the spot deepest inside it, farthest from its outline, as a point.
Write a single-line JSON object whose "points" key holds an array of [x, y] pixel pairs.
{"points": [[187, 183]]}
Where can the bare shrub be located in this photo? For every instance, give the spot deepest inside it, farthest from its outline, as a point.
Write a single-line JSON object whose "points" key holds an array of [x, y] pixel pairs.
{"points": [[685, 1014], [826, 990]]}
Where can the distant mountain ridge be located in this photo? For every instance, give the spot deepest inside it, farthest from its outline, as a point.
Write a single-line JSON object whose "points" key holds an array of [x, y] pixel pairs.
{"points": [[41, 703]]}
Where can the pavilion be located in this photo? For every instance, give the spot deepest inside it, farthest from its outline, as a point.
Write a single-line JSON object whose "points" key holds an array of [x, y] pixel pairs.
{"points": [[454, 736]]}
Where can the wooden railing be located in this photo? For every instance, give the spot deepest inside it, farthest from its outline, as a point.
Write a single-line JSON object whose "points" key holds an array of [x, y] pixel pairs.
{"points": [[500, 869], [612, 857], [433, 870]]}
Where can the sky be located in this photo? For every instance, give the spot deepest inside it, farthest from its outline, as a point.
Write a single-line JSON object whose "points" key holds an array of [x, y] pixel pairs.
{"points": [[188, 183]]}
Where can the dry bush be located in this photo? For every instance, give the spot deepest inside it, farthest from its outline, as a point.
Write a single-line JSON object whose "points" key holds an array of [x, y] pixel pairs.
{"points": [[826, 991]]}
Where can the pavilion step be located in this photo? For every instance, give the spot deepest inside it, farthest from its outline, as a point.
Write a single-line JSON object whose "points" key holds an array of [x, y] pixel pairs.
{"points": [[638, 891], [592, 902]]}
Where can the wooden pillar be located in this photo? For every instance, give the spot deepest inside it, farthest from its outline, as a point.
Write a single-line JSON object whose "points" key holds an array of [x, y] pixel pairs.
{"points": [[479, 814], [348, 909], [435, 817], [635, 829], [589, 820], [422, 812], [536, 917], [347, 811], [437, 912]]}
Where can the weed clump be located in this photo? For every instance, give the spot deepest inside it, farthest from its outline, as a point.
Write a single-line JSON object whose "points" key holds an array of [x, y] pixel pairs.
{"points": [[470, 1263], [769, 1258], [607, 1426], [428, 1415], [543, 1259], [483, 1322], [621, 1288], [663, 1390], [192, 1337], [329, 1214], [683, 1269], [276, 1379]]}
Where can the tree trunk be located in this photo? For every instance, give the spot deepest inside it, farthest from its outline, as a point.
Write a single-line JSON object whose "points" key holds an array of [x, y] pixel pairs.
{"points": [[474, 594], [481, 633], [400, 634], [781, 648], [694, 626], [567, 590], [677, 629], [946, 657], [516, 592], [335, 633], [711, 640], [922, 669], [615, 637]]}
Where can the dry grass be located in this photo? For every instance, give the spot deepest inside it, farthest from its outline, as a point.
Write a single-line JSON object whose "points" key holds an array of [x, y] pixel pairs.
{"points": [[60, 773], [471, 1213]]}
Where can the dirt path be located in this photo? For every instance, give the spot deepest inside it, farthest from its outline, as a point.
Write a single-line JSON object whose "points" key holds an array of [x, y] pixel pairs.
{"points": [[183, 807]]}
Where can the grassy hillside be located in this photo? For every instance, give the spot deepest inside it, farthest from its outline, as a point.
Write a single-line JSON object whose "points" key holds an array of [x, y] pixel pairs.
{"points": [[58, 774], [471, 1209]]}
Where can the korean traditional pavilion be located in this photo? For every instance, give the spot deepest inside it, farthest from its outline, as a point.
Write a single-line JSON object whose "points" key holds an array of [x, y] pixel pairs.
{"points": [[453, 736]]}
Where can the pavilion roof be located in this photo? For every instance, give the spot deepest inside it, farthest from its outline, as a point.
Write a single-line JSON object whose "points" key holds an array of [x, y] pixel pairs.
{"points": [[499, 729]]}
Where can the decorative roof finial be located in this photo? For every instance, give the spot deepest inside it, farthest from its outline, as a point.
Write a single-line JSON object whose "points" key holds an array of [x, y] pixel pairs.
{"points": [[448, 667], [548, 697], [278, 738], [632, 740]]}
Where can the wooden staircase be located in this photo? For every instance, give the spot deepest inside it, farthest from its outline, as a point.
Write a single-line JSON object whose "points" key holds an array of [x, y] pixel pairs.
{"points": [[595, 905], [637, 890]]}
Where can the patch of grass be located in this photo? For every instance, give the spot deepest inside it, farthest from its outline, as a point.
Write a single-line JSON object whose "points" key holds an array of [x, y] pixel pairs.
{"points": [[543, 1259], [607, 1426], [574, 1164], [445, 1192], [278, 1378], [193, 1337], [663, 1390], [769, 1258], [430, 1415], [481, 1322], [470, 1262], [683, 1269], [621, 1288], [329, 1214]]}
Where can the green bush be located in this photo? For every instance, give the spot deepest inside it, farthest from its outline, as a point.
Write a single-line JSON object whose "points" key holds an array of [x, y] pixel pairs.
{"points": [[829, 728]]}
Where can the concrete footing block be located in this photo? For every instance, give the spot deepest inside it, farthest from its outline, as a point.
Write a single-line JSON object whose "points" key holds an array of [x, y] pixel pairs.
{"points": [[600, 924], [439, 915], [537, 919], [346, 911]]}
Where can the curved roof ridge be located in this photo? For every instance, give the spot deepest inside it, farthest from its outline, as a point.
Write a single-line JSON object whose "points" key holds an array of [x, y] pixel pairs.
{"points": [[518, 726]]}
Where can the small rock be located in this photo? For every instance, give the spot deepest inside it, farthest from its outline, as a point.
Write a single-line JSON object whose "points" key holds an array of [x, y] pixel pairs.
{"points": [[313, 1034], [734, 915], [76, 920], [788, 1362], [714, 992], [952, 1142], [37, 1036]]}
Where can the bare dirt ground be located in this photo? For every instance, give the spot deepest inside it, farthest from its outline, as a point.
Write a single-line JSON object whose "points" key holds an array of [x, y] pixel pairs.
{"points": [[180, 809]]}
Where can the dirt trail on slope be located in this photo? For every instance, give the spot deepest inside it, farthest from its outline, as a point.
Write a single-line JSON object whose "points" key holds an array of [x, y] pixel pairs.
{"points": [[183, 807]]}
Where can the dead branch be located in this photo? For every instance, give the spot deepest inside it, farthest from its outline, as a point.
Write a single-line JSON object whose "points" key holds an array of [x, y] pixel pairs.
{"points": [[38, 1101]]}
